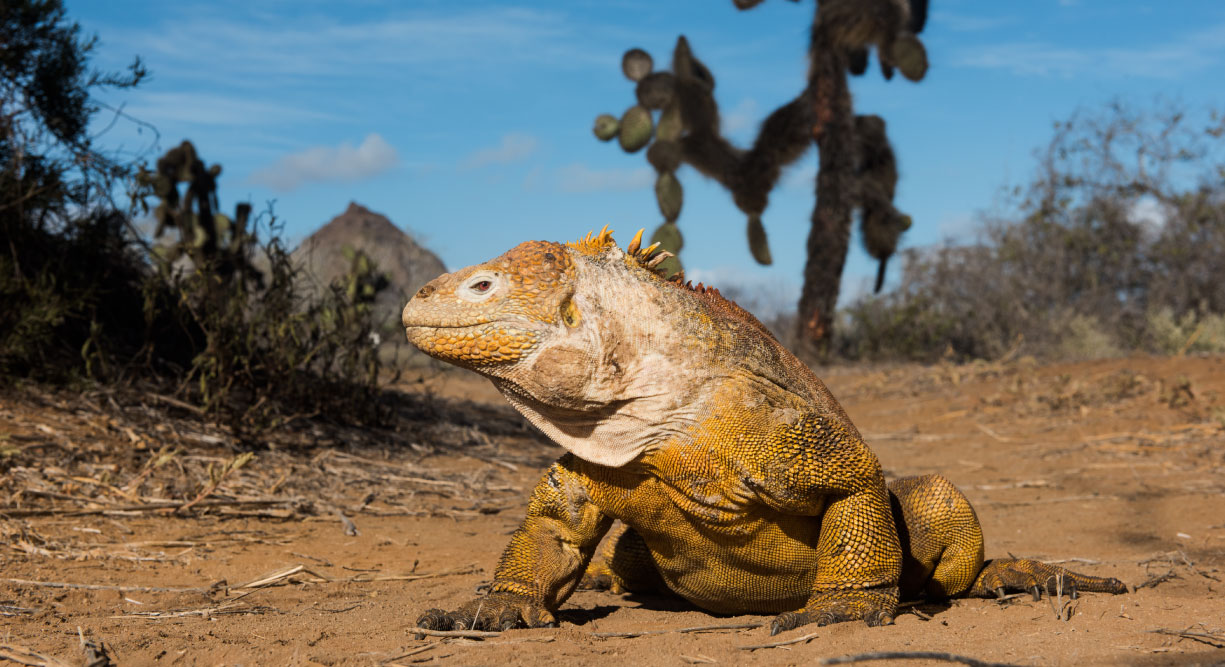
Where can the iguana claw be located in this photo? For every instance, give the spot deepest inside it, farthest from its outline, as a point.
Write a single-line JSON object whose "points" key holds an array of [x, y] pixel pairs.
{"points": [[873, 607], [1001, 575], [497, 611]]}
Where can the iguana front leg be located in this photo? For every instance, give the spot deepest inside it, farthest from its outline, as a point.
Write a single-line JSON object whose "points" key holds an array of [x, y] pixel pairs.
{"points": [[543, 562], [858, 565], [816, 467]]}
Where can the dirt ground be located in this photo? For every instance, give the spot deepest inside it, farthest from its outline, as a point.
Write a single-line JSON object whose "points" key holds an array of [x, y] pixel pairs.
{"points": [[326, 546]]}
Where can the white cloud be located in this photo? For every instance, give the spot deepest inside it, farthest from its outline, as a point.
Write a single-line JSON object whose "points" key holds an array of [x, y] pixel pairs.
{"points": [[512, 148], [1030, 58], [321, 164], [581, 178], [191, 108], [966, 23], [246, 43], [1198, 50], [959, 228], [800, 176]]}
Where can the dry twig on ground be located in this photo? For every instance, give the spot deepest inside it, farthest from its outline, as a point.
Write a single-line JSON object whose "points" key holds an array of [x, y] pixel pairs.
{"points": [[700, 628], [787, 642], [1214, 639]]}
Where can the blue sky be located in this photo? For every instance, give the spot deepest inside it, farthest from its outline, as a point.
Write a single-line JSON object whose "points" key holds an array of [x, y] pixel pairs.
{"points": [[469, 123]]}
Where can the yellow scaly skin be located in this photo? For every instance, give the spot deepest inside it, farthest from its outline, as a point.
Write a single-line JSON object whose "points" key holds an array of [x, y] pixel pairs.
{"points": [[744, 486]]}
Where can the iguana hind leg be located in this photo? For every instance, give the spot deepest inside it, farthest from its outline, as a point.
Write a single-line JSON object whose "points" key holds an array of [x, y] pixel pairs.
{"points": [[1021, 574], [942, 546], [942, 543], [624, 564], [816, 467]]}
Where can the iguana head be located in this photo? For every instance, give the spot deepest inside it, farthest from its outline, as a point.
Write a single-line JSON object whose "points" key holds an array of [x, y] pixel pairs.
{"points": [[557, 328], [605, 356], [490, 316]]}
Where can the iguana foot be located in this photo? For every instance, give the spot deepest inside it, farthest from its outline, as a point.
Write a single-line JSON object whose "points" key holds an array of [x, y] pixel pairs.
{"points": [[1002, 575], [873, 606], [624, 565], [600, 577], [600, 582], [496, 611]]}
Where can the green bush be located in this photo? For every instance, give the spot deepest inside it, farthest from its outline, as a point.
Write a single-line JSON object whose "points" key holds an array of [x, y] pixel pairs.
{"points": [[263, 348]]}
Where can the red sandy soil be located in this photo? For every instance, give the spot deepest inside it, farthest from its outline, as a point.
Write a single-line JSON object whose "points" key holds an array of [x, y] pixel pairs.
{"points": [[1114, 468]]}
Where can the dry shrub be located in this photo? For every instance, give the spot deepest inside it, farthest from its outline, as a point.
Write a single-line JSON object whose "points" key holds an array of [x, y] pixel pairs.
{"points": [[85, 296], [1117, 245]]}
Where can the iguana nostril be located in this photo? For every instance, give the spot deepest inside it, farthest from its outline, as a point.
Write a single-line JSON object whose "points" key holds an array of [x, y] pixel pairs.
{"points": [[425, 291]]}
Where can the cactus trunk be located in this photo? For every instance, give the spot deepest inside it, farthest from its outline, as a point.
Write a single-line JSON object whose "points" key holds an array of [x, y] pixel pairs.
{"points": [[830, 236]]}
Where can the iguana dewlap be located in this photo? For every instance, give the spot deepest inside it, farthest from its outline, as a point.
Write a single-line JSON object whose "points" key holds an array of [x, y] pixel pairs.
{"points": [[744, 485]]}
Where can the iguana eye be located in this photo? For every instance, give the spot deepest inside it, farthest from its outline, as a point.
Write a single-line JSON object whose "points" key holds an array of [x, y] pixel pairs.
{"points": [[479, 287]]}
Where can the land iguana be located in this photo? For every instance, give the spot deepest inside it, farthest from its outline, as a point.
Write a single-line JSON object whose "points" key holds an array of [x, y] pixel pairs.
{"points": [[742, 485]]}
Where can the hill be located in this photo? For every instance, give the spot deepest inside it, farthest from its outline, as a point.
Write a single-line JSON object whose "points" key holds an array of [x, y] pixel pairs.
{"points": [[407, 264]]}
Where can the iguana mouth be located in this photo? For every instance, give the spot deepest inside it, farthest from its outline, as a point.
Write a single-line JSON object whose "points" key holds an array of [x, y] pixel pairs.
{"points": [[445, 326], [480, 343]]}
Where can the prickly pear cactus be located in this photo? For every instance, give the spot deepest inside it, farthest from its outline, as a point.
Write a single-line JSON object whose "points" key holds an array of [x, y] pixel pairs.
{"points": [[212, 240], [363, 282], [676, 117], [687, 123]]}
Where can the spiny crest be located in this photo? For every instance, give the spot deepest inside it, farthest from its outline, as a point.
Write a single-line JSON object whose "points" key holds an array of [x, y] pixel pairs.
{"points": [[723, 304], [648, 257], [594, 246]]}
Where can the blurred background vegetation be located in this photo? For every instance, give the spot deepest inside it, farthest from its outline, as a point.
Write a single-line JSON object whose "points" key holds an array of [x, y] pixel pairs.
{"points": [[1116, 246]]}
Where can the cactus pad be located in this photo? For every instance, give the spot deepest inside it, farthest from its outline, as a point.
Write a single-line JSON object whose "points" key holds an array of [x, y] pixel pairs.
{"points": [[636, 126], [657, 90], [664, 154], [636, 64], [606, 127], [671, 196], [758, 244], [908, 54]]}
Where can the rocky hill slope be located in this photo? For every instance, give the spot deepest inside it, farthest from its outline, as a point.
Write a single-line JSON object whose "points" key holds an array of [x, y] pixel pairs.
{"points": [[407, 264]]}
